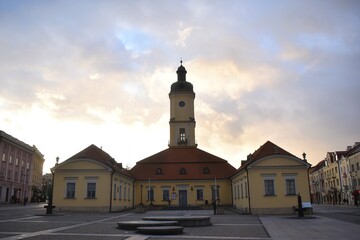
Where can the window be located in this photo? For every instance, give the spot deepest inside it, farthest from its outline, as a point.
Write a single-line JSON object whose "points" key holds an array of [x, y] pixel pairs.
{"points": [[269, 187], [114, 192], [158, 171], [206, 170], [182, 171], [129, 193], [70, 190], [166, 194], [246, 189], [124, 193], [290, 187], [150, 194], [357, 166], [91, 190], [242, 191], [238, 191], [235, 192], [199, 194], [3, 172], [182, 135], [3, 157], [10, 160], [120, 191], [16, 161]]}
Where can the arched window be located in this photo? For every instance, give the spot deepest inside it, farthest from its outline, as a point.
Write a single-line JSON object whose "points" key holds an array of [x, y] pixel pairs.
{"points": [[182, 171], [206, 170]]}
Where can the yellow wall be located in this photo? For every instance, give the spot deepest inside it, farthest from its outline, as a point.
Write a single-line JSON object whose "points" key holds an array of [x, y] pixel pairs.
{"points": [[191, 188], [122, 196], [81, 172], [240, 197], [278, 169]]}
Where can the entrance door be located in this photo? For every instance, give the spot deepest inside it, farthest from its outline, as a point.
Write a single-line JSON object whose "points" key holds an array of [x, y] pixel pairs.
{"points": [[182, 198]]}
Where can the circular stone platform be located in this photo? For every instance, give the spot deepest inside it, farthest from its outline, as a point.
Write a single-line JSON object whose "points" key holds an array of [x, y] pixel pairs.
{"points": [[133, 225], [185, 221], [161, 230]]}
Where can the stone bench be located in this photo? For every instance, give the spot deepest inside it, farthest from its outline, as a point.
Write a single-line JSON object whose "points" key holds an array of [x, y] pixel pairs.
{"points": [[185, 221], [134, 225], [161, 230]]}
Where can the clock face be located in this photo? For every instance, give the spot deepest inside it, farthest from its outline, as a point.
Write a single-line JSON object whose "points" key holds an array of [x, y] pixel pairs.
{"points": [[181, 103]]}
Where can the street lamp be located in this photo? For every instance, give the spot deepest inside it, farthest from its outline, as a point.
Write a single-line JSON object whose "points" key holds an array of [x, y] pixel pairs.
{"points": [[141, 187], [23, 174]]}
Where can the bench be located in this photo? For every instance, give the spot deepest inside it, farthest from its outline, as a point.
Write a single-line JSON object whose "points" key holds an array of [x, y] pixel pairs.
{"points": [[161, 230]]}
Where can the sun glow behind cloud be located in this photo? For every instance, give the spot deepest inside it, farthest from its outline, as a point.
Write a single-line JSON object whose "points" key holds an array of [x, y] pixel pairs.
{"points": [[100, 73]]}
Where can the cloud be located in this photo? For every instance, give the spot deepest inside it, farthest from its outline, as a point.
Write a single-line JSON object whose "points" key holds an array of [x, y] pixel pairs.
{"points": [[281, 71]]}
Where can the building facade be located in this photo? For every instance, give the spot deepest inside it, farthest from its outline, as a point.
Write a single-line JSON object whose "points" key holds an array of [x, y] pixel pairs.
{"points": [[182, 175], [335, 180], [92, 180], [353, 158], [317, 183], [16, 169], [270, 180], [37, 171]]}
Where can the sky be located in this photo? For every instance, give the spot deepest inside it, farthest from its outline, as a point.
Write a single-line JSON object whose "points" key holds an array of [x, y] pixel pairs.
{"points": [[76, 73]]}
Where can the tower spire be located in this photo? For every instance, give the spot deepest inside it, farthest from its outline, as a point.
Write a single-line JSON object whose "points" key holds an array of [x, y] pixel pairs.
{"points": [[181, 72]]}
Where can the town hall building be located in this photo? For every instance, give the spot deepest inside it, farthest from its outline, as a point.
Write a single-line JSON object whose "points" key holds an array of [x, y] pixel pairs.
{"points": [[182, 175]]}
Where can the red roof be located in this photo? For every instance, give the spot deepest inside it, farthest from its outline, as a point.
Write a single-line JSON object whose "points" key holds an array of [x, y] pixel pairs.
{"points": [[266, 150], [269, 149], [168, 164], [318, 166], [94, 153]]}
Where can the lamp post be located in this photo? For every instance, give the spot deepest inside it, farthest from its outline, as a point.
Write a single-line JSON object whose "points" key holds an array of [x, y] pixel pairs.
{"points": [[23, 190], [141, 187]]}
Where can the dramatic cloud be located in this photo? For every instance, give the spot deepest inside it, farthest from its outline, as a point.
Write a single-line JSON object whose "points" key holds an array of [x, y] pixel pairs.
{"points": [[75, 73]]}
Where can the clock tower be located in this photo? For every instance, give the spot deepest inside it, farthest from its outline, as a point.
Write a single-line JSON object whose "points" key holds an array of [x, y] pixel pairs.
{"points": [[182, 120]]}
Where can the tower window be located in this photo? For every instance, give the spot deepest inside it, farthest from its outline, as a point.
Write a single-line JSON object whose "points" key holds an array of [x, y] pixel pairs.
{"points": [[182, 135]]}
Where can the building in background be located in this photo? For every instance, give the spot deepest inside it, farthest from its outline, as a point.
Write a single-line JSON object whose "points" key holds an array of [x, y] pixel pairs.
{"points": [[336, 179], [317, 183], [16, 169], [353, 157], [37, 171]]}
